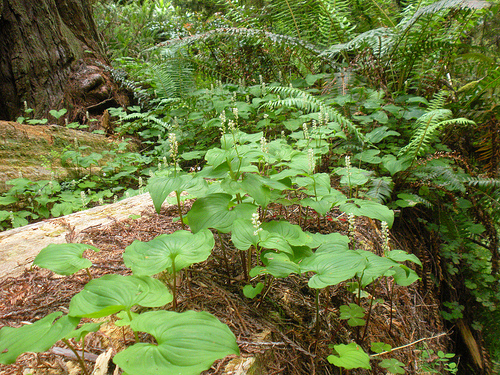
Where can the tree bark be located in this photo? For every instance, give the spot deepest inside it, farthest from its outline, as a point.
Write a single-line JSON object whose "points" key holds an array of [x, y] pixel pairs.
{"points": [[51, 58]]}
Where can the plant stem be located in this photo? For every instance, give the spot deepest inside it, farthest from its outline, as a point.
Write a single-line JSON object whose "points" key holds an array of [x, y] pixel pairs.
{"points": [[174, 285], [136, 335], [78, 357], [88, 274], [179, 208], [226, 262], [316, 303]]}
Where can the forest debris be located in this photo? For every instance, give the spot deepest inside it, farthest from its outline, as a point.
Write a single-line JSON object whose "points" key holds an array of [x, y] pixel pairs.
{"points": [[102, 363]]}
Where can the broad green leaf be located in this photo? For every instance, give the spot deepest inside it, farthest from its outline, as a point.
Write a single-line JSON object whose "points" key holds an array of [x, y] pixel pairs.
{"points": [[395, 165], [275, 241], [276, 264], [350, 356], [64, 258], [125, 318], [251, 292], [254, 186], [331, 241], [371, 209], [292, 233], [321, 206], [217, 211], [379, 347], [160, 187], [332, 267], [243, 234], [376, 135], [36, 337], [187, 344], [404, 276], [59, 113], [113, 293], [393, 366], [369, 156], [353, 176], [8, 199], [353, 313], [402, 256], [179, 249], [376, 267], [80, 333]]}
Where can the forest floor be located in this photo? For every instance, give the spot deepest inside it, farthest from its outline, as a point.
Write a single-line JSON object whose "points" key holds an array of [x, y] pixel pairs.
{"points": [[276, 333]]}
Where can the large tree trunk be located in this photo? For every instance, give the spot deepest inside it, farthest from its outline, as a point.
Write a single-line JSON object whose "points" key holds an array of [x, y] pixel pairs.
{"points": [[51, 58]]}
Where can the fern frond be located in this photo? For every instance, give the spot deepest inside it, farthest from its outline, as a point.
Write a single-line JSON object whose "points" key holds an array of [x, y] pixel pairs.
{"points": [[441, 176], [381, 189], [483, 183], [300, 99], [243, 33], [428, 124], [441, 5]]}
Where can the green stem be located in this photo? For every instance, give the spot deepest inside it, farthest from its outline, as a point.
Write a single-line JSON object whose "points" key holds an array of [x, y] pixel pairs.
{"points": [[179, 209], [88, 274], [136, 335], [78, 357], [174, 285]]}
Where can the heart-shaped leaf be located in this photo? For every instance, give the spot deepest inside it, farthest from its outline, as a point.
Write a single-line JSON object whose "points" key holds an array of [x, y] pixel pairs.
{"points": [[58, 114], [332, 267], [160, 187], [112, 293], [179, 249], [36, 337], [187, 344], [64, 258], [217, 211], [254, 186], [376, 267], [243, 234], [402, 256], [292, 233], [251, 292], [276, 264], [350, 356], [371, 209]]}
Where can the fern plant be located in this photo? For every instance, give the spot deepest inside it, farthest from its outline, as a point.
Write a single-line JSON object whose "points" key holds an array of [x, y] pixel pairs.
{"points": [[427, 125]]}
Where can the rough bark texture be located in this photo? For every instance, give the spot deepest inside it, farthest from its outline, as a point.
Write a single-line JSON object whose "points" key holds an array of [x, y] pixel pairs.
{"points": [[51, 58]]}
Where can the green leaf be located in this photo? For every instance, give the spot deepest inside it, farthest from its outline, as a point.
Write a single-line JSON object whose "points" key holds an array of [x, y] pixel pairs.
{"points": [[251, 292], [181, 248], [376, 267], [276, 264], [217, 211], [350, 356], [393, 366], [80, 333], [64, 258], [187, 343], [371, 209], [404, 276], [112, 293], [402, 256], [353, 313], [353, 176], [58, 114], [332, 267], [292, 233], [254, 186], [160, 187], [8, 199], [243, 234], [379, 347], [36, 337]]}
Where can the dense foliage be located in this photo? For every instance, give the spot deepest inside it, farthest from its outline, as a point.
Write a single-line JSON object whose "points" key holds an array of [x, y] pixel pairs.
{"points": [[396, 102]]}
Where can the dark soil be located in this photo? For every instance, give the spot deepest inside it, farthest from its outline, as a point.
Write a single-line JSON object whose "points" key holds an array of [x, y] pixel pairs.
{"points": [[277, 329]]}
